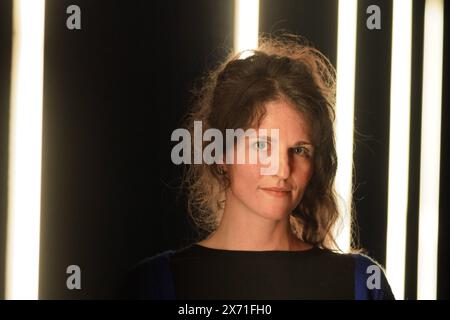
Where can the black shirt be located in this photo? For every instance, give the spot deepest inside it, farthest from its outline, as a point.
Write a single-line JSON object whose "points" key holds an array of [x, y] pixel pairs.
{"points": [[198, 272]]}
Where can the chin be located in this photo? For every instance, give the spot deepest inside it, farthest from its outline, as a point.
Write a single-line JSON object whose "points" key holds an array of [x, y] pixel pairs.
{"points": [[275, 213]]}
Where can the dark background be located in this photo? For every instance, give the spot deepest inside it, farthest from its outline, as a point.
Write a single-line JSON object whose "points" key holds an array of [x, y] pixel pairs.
{"points": [[116, 89]]}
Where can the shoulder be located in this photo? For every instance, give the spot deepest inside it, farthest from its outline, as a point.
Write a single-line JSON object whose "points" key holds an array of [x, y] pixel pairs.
{"points": [[150, 279], [370, 279], [368, 276], [333, 258]]}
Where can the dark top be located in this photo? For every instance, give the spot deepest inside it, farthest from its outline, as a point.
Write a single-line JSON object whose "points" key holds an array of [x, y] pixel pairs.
{"points": [[198, 272]]}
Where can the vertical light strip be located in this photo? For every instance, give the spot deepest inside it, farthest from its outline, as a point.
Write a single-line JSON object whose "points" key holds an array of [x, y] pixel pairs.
{"points": [[24, 179], [400, 109], [430, 153], [246, 25], [345, 93]]}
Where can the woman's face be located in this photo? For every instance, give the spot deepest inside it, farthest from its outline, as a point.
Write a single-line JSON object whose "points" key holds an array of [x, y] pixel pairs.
{"points": [[275, 196]]}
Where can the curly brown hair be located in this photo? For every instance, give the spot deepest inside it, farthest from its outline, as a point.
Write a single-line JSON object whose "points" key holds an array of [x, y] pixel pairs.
{"points": [[233, 96]]}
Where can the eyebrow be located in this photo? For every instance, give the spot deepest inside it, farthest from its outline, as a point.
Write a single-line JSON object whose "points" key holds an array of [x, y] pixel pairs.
{"points": [[301, 142]]}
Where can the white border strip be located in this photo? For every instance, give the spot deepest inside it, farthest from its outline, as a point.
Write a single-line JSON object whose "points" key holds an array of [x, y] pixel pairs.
{"points": [[24, 180], [345, 93], [246, 24], [430, 153], [400, 109]]}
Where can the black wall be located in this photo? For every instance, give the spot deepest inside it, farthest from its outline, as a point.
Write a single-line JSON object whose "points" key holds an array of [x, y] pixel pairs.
{"points": [[114, 92]]}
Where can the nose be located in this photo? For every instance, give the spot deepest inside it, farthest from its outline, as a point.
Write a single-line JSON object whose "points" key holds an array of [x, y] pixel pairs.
{"points": [[284, 169]]}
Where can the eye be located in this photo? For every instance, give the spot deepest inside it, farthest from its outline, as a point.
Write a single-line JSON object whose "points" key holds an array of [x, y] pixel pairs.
{"points": [[260, 145], [301, 151]]}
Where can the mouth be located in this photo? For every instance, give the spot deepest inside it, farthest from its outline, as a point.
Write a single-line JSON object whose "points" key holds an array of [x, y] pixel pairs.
{"points": [[277, 192]]}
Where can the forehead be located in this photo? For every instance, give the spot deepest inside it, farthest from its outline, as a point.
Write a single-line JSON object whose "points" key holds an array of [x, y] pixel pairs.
{"points": [[284, 116]]}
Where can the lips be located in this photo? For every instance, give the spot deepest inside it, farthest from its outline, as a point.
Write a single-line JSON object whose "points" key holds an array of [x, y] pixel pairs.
{"points": [[278, 189], [277, 192]]}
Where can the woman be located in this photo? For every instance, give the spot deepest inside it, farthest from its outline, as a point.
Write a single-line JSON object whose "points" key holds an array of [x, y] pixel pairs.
{"points": [[269, 236]]}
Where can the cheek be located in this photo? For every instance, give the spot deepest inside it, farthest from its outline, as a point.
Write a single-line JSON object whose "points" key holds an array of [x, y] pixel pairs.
{"points": [[302, 173], [244, 177]]}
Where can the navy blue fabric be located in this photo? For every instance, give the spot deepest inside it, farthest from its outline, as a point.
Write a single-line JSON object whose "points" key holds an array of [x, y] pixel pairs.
{"points": [[362, 274], [164, 287], [151, 279]]}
